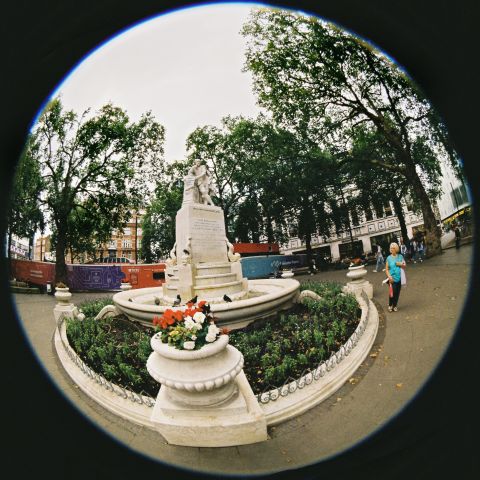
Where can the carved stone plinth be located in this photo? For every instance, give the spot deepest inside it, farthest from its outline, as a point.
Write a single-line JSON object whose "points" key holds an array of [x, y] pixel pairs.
{"points": [[205, 399]]}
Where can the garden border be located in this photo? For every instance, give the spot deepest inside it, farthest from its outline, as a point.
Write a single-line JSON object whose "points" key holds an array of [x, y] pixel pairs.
{"points": [[292, 399]]}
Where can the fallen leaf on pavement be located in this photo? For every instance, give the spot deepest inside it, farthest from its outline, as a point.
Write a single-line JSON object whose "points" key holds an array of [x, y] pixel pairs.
{"points": [[399, 385], [373, 355], [353, 380], [339, 399]]}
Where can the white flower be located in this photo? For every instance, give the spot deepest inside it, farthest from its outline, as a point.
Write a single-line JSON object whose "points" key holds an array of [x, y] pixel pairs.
{"points": [[197, 326], [193, 337], [213, 329], [199, 317], [189, 323], [210, 337], [188, 345]]}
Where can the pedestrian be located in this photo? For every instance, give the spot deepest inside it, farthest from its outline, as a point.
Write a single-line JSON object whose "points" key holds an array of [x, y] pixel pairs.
{"points": [[415, 250], [403, 248], [380, 259], [395, 262], [420, 250], [457, 237], [411, 249], [312, 267]]}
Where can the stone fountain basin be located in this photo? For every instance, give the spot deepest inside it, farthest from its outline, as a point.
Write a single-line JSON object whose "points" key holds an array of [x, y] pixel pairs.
{"points": [[265, 298]]}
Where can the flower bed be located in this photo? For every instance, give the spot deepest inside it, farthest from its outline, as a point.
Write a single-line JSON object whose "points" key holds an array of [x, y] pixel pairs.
{"points": [[274, 351], [281, 350]]}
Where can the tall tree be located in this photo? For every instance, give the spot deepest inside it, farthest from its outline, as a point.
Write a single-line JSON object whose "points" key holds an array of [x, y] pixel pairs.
{"points": [[158, 223], [323, 82], [99, 163], [25, 214]]}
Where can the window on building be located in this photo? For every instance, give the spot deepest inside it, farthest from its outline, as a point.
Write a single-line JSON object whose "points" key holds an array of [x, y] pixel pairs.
{"points": [[388, 209], [379, 211], [355, 219], [112, 244], [126, 244], [368, 214], [127, 231]]}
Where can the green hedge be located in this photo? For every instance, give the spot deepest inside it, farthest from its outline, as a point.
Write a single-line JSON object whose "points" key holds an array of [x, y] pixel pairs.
{"points": [[274, 351], [283, 349]]}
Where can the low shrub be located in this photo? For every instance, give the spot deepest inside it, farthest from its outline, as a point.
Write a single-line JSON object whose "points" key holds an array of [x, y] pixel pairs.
{"points": [[114, 347], [283, 349], [275, 351]]}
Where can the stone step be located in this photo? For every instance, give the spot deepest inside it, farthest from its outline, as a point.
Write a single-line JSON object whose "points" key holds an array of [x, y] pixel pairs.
{"points": [[217, 290], [172, 288], [214, 279], [212, 268]]}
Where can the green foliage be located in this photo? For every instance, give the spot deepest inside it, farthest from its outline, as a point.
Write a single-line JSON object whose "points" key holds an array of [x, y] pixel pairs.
{"points": [[95, 169], [158, 224], [25, 214], [91, 308], [337, 92], [274, 351], [296, 342], [115, 350]]}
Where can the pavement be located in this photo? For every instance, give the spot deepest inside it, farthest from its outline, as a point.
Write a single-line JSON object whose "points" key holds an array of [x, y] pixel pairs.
{"points": [[408, 348]]}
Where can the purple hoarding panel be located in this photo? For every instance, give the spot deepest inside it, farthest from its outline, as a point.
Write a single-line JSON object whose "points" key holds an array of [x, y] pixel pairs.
{"points": [[94, 277]]}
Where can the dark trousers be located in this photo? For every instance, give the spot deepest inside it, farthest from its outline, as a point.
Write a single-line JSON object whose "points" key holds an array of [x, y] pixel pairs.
{"points": [[392, 301]]}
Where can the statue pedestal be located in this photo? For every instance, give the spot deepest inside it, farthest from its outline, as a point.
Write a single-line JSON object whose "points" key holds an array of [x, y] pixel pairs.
{"points": [[204, 268], [205, 399]]}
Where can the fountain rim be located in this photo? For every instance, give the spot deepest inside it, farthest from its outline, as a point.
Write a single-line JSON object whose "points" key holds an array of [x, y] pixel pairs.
{"points": [[289, 285]]}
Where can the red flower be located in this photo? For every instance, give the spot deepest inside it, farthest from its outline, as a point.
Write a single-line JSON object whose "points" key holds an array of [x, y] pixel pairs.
{"points": [[190, 304], [156, 320], [166, 321], [178, 315], [224, 331], [202, 303]]}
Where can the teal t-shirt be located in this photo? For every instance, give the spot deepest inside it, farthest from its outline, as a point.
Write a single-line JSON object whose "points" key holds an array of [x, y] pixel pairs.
{"points": [[394, 269]]}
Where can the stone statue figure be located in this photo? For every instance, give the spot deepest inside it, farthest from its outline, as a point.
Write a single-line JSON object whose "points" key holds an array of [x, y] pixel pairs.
{"points": [[173, 257], [201, 184], [232, 257]]}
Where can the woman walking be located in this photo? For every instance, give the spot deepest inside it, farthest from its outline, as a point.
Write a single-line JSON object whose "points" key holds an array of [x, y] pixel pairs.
{"points": [[395, 262]]}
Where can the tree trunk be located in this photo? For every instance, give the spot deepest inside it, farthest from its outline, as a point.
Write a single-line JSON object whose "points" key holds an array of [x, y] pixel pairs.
{"points": [[60, 265], [401, 218], [269, 229], [432, 231], [308, 247]]}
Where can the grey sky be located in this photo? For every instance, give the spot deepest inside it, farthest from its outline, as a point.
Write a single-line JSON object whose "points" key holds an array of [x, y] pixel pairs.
{"points": [[184, 66]]}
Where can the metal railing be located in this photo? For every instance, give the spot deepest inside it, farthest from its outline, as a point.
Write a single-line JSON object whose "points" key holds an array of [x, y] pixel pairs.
{"points": [[309, 376], [121, 391]]}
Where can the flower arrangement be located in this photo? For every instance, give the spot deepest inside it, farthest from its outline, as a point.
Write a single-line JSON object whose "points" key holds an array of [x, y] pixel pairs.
{"points": [[188, 328]]}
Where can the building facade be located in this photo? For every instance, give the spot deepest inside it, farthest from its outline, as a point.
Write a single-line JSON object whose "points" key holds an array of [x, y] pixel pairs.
{"points": [[380, 226], [126, 243], [19, 248]]}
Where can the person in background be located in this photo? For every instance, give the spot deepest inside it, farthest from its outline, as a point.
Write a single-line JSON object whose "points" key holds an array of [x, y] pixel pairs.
{"points": [[403, 249], [380, 259], [415, 250], [395, 262], [420, 250], [457, 237]]}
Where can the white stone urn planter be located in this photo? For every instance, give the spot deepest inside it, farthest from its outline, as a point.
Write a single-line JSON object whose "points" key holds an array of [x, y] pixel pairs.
{"points": [[205, 399], [356, 274], [63, 308], [125, 286], [63, 295], [287, 274], [358, 282], [196, 377]]}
